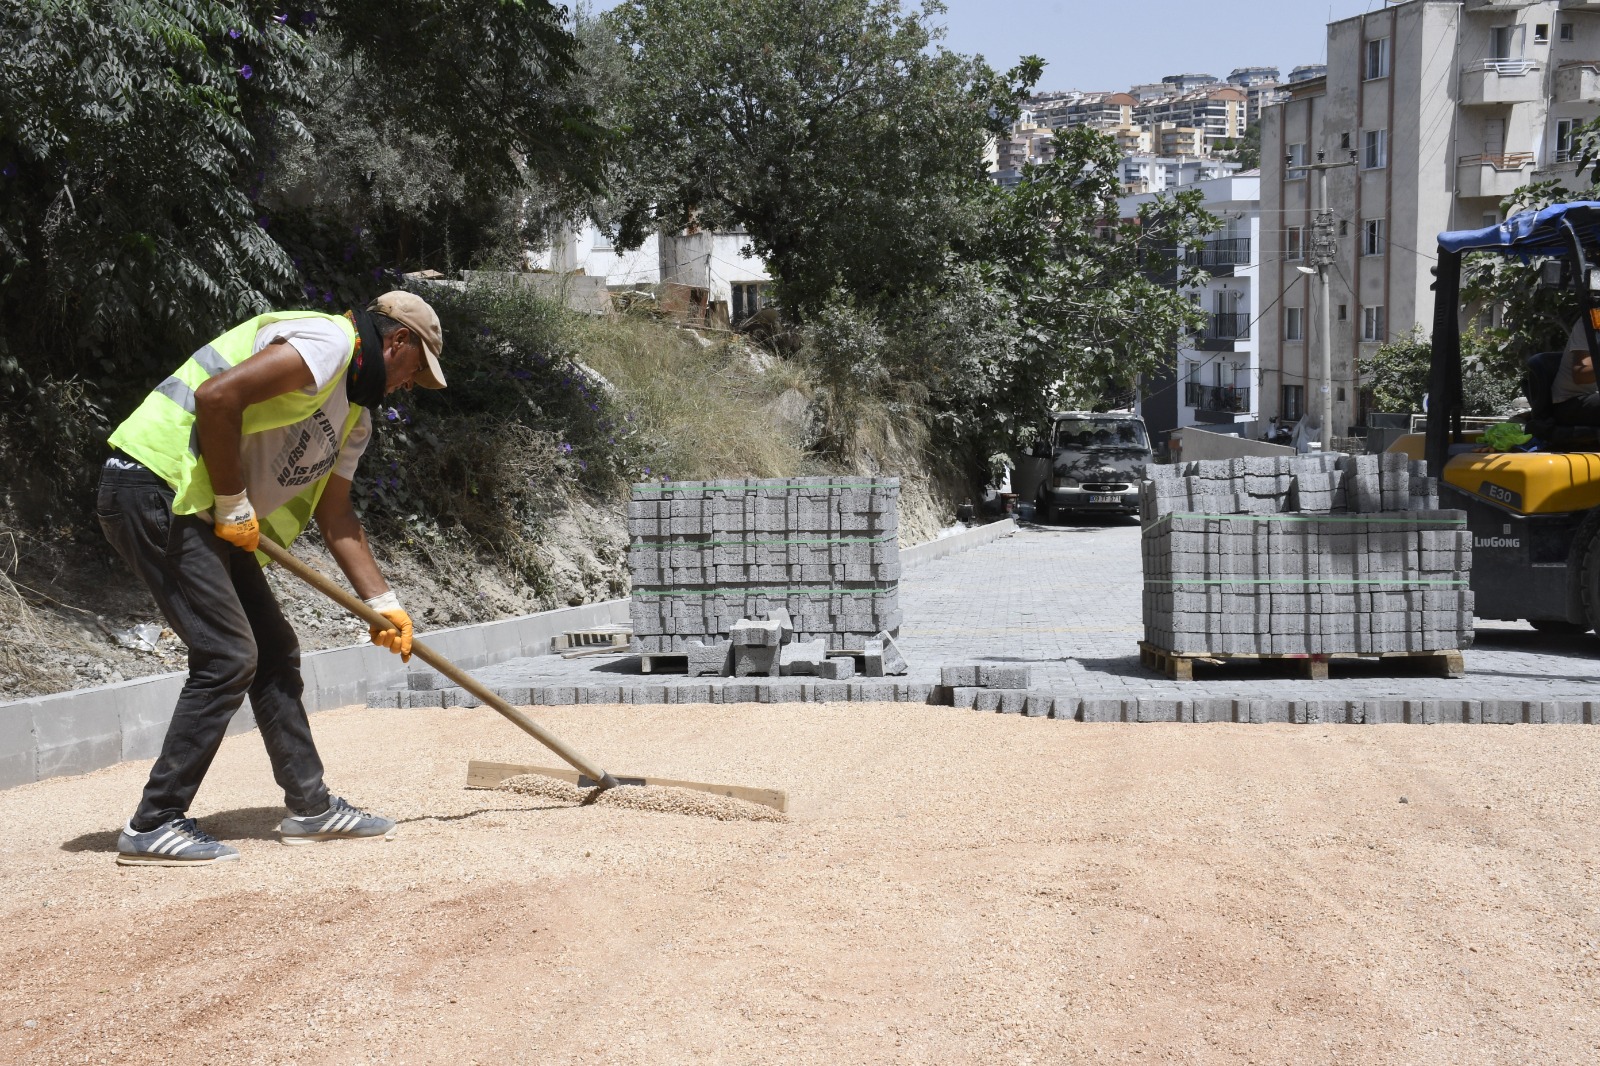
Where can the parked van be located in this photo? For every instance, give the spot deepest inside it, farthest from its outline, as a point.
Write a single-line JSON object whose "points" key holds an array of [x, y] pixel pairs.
{"points": [[1096, 462]]}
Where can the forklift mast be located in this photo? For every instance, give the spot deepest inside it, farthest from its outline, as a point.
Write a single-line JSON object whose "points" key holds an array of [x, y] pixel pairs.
{"points": [[1564, 231]]}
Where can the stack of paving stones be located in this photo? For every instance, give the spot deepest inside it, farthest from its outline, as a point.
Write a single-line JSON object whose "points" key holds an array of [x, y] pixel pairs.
{"points": [[1303, 555], [707, 554]]}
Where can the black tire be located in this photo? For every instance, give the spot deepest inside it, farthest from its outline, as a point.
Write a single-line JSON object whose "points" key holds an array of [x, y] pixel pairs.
{"points": [[1558, 626], [1586, 556]]}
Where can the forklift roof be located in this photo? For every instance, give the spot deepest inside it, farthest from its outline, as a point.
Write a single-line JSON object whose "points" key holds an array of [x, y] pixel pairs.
{"points": [[1531, 232]]}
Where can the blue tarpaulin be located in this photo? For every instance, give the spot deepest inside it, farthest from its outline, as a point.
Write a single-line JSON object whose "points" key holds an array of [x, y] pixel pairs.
{"points": [[1531, 232]]}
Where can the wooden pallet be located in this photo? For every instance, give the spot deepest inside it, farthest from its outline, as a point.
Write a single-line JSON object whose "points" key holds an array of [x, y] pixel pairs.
{"points": [[1180, 666], [655, 661], [612, 636]]}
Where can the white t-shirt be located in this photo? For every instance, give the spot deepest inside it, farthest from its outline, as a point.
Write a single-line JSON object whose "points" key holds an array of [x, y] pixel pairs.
{"points": [[1566, 386], [279, 463]]}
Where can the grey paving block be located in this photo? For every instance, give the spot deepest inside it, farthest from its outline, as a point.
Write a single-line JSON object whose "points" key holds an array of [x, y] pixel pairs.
{"points": [[714, 658], [1013, 701], [555, 696], [1039, 704], [419, 680], [783, 692], [961, 675], [894, 663], [837, 668], [1099, 709], [987, 699], [1158, 710], [739, 692], [802, 658], [1067, 708], [516, 695], [755, 660], [995, 675], [965, 697], [598, 694], [692, 693], [384, 700]]}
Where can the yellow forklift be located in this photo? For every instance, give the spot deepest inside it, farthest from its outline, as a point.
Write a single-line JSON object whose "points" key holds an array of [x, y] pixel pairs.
{"points": [[1534, 515]]}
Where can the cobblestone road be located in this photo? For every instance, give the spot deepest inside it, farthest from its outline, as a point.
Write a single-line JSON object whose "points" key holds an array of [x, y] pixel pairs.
{"points": [[1065, 601]]}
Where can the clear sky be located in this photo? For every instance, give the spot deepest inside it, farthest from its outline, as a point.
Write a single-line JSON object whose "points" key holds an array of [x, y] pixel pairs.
{"points": [[1103, 45]]}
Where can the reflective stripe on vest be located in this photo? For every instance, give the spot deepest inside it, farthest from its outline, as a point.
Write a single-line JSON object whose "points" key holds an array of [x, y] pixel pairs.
{"points": [[163, 435]]}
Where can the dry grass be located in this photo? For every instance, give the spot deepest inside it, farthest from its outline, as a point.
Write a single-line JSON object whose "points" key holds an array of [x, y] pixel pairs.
{"points": [[706, 408]]}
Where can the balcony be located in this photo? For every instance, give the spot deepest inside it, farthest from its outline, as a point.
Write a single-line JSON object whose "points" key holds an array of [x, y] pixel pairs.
{"points": [[1492, 175], [1580, 5], [1563, 168], [1498, 82], [1221, 332], [1220, 257], [1217, 400], [1498, 5], [1578, 83]]}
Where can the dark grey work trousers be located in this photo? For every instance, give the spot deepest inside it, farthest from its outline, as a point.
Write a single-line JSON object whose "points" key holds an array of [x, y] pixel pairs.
{"points": [[215, 597]]}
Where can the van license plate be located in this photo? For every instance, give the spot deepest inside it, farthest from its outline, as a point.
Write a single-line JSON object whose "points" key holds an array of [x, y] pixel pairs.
{"points": [[1105, 499]]}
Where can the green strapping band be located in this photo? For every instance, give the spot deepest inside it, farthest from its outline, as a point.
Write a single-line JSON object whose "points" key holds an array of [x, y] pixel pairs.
{"points": [[759, 543], [750, 486], [1318, 518], [1303, 581], [739, 592]]}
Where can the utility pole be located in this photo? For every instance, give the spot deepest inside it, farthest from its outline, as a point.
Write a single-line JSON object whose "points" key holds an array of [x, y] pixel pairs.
{"points": [[1324, 249]]}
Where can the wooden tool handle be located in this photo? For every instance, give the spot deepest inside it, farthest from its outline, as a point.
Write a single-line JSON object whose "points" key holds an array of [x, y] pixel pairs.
{"points": [[320, 581]]}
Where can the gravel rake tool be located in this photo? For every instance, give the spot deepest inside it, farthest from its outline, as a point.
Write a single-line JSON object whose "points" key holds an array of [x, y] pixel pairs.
{"points": [[584, 773]]}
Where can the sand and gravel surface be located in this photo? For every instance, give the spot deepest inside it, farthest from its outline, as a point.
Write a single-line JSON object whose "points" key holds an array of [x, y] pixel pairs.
{"points": [[949, 887]]}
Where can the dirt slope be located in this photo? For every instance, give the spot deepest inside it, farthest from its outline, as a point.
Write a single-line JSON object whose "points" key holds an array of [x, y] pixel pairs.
{"points": [[950, 888]]}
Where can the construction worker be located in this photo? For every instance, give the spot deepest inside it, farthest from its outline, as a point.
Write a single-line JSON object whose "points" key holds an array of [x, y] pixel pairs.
{"points": [[258, 432]]}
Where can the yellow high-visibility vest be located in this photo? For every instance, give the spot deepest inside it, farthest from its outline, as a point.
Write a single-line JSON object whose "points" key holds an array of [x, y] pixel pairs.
{"points": [[162, 435]]}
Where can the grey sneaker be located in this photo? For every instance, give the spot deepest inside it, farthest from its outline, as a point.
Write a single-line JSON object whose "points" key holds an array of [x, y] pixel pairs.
{"points": [[339, 822], [177, 842]]}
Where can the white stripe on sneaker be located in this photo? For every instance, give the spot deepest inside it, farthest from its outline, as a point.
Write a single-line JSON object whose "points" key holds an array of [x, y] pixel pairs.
{"points": [[161, 840], [180, 845], [344, 822]]}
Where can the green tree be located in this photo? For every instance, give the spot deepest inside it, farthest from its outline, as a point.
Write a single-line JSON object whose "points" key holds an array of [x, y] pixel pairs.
{"points": [[840, 134], [1400, 368], [1089, 289], [167, 168]]}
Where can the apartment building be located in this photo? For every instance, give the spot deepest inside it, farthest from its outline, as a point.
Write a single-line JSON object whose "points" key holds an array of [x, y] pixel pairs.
{"points": [[1444, 108], [1029, 142], [1261, 87], [1102, 111], [1143, 174], [1221, 111], [1215, 371]]}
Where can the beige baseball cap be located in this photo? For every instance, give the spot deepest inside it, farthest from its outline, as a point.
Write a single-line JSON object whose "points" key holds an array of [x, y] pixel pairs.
{"points": [[412, 311]]}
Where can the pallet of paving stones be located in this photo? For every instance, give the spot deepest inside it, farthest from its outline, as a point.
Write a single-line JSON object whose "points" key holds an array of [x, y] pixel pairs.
{"points": [[1180, 667], [706, 555], [1302, 574]]}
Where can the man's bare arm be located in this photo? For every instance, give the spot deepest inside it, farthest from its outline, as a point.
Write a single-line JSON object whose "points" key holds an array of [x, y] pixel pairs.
{"points": [[347, 541], [219, 405], [1582, 368]]}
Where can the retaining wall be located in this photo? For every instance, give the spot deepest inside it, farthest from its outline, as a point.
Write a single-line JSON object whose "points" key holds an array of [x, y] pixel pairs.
{"points": [[85, 729]]}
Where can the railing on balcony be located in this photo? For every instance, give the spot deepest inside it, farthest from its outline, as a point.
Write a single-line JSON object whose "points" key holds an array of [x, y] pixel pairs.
{"points": [[1223, 253], [1512, 161], [1231, 399], [1505, 67], [1229, 327]]}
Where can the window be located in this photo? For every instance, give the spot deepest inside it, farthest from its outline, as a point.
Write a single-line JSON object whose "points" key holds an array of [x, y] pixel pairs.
{"points": [[1344, 312], [1294, 243], [747, 300], [1568, 32], [1344, 140], [1296, 158], [1375, 149], [1377, 59], [1541, 33], [601, 242], [1344, 227], [1372, 237], [1563, 145], [1504, 41], [1372, 324], [1294, 403], [1294, 324]]}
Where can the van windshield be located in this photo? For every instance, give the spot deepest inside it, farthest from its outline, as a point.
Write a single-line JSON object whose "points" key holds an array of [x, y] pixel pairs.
{"points": [[1096, 434]]}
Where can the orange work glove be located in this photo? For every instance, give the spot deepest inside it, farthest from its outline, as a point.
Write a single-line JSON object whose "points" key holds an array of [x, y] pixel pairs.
{"points": [[397, 640], [234, 520]]}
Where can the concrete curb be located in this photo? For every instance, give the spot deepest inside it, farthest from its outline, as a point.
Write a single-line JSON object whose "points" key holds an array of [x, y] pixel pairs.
{"points": [[975, 537], [86, 729]]}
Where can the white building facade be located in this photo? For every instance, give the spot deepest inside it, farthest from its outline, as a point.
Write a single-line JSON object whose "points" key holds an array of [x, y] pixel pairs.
{"points": [[1217, 369], [1445, 108]]}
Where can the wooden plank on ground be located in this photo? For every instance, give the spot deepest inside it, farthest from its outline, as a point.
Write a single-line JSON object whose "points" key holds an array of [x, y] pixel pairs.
{"points": [[485, 774]]}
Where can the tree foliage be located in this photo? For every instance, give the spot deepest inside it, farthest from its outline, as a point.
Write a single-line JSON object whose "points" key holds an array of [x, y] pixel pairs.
{"points": [[167, 168], [840, 134], [1400, 369]]}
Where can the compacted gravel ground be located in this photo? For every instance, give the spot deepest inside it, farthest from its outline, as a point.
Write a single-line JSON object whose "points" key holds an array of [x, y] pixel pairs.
{"points": [[949, 887]]}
